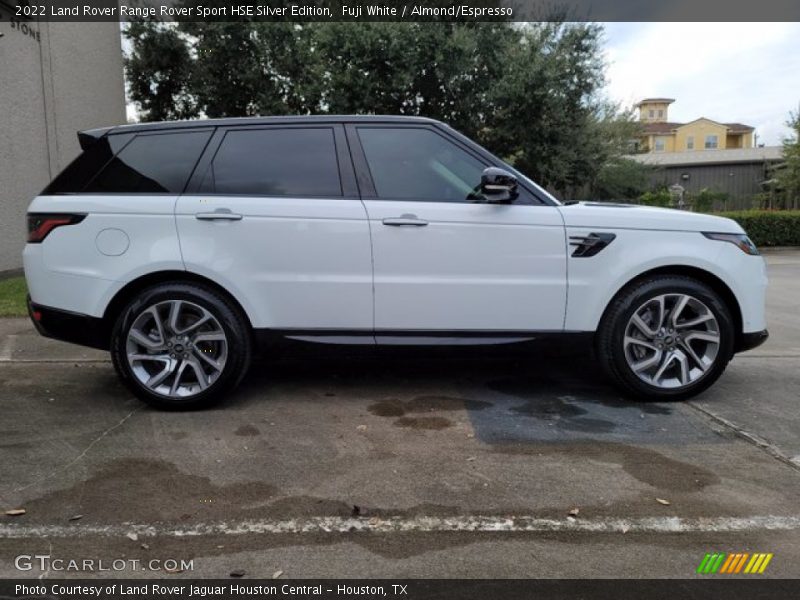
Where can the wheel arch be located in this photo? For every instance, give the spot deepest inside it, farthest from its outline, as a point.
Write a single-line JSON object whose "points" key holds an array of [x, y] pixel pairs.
{"points": [[702, 275], [133, 287]]}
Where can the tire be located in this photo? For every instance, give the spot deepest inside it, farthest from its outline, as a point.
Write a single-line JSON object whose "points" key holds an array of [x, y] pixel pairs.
{"points": [[632, 351], [187, 362]]}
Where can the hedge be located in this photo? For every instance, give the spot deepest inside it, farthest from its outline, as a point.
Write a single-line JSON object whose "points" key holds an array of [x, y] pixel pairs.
{"points": [[769, 227]]}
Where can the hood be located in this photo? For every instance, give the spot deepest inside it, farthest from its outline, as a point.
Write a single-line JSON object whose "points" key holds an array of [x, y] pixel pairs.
{"points": [[634, 216]]}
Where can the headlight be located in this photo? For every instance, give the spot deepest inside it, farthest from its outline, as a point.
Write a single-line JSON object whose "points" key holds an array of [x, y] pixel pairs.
{"points": [[740, 240]]}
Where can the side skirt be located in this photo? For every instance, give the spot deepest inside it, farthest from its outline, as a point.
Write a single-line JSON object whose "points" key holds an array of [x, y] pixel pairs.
{"points": [[279, 340]]}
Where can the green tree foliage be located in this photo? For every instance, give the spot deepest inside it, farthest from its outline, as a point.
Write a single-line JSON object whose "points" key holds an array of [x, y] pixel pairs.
{"points": [[621, 179], [706, 200], [787, 177], [656, 198], [158, 69], [530, 93]]}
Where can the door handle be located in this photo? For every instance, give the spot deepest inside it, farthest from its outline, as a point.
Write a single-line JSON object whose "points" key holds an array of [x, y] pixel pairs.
{"points": [[405, 221], [221, 214]]}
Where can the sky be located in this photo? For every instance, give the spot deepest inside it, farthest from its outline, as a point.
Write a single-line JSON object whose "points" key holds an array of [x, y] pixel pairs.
{"points": [[730, 72]]}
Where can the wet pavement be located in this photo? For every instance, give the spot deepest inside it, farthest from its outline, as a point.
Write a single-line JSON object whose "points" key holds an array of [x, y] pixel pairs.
{"points": [[412, 449]]}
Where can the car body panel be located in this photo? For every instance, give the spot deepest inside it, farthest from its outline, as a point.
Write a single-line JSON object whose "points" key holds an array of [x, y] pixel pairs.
{"points": [[632, 216], [594, 281], [310, 264], [301, 263], [69, 270], [472, 267]]}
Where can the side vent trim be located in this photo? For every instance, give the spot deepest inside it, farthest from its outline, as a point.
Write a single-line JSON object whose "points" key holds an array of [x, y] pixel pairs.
{"points": [[589, 245]]}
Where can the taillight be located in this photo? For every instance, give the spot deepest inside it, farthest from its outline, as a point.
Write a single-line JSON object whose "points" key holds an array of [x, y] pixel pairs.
{"points": [[40, 225]]}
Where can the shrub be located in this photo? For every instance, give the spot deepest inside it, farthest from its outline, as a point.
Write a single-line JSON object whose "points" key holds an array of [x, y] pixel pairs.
{"points": [[705, 200], [659, 198], [769, 227], [621, 179]]}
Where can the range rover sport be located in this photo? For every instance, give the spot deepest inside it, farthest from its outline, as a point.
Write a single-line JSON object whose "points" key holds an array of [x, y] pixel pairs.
{"points": [[179, 247]]}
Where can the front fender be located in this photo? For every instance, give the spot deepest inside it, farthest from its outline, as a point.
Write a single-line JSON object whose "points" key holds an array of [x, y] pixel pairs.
{"points": [[594, 281]]}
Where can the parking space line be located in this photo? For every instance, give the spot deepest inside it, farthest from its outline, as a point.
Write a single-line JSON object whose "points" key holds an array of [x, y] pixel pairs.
{"points": [[80, 456], [752, 438], [781, 355], [419, 524], [53, 360], [8, 347]]}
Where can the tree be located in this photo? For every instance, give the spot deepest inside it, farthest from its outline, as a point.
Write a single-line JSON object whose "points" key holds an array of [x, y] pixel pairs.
{"points": [[707, 199], [660, 197], [787, 178], [531, 94], [608, 174], [158, 69], [621, 179]]}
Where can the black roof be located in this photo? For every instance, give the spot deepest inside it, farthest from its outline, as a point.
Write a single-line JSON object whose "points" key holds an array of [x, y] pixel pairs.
{"points": [[238, 121]]}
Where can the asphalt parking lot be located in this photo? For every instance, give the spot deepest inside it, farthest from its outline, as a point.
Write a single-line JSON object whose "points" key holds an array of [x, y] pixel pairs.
{"points": [[405, 466]]}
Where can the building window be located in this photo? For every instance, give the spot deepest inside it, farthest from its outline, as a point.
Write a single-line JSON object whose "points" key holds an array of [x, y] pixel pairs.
{"points": [[660, 114], [711, 142], [660, 145], [652, 113], [690, 142]]}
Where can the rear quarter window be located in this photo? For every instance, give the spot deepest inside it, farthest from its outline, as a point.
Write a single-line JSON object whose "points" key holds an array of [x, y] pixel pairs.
{"points": [[87, 165], [152, 163]]}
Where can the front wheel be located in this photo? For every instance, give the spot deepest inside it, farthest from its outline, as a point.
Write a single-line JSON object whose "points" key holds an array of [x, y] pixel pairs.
{"points": [[666, 338], [180, 346]]}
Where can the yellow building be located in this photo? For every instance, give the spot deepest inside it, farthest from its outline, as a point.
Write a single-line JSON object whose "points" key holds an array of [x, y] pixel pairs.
{"points": [[659, 134]]}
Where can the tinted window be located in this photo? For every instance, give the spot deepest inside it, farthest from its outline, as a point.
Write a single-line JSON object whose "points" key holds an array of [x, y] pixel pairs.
{"points": [[83, 169], [276, 162], [418, 164], [159, 163]]}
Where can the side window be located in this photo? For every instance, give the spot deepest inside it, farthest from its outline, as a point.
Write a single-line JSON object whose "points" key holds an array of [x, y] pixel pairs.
{"points": [[275, 162], [157, 163], [82, 170], [418, 164]]}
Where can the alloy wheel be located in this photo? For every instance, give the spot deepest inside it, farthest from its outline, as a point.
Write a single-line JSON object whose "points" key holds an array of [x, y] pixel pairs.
{"points": [[176, 348], [671, 340]]}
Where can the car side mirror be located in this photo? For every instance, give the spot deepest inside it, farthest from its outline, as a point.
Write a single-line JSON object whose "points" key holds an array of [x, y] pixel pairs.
{"points": [[498, 186]]}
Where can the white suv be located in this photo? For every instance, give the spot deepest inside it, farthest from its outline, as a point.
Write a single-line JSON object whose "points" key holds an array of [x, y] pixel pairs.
{"points": [[183, 248]]}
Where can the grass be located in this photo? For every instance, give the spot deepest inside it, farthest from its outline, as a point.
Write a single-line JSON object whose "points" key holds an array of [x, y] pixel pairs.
{"points": [[12, 297]]}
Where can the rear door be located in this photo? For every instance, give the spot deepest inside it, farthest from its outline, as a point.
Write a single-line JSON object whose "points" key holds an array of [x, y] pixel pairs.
{"points": [[273, 214], [443, 260]]}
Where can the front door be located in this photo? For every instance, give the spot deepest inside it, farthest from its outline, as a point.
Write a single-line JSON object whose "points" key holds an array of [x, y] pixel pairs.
{"points": [[444, 261]]}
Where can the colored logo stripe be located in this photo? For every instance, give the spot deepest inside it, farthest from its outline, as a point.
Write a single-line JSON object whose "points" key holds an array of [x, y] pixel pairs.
{"points": [[711, 562], [734, 563], [758, 563], [731, 560]]}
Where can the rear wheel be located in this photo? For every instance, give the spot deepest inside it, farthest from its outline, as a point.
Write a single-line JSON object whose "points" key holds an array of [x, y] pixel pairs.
{"points": [[181, 346], [666, 338]]}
